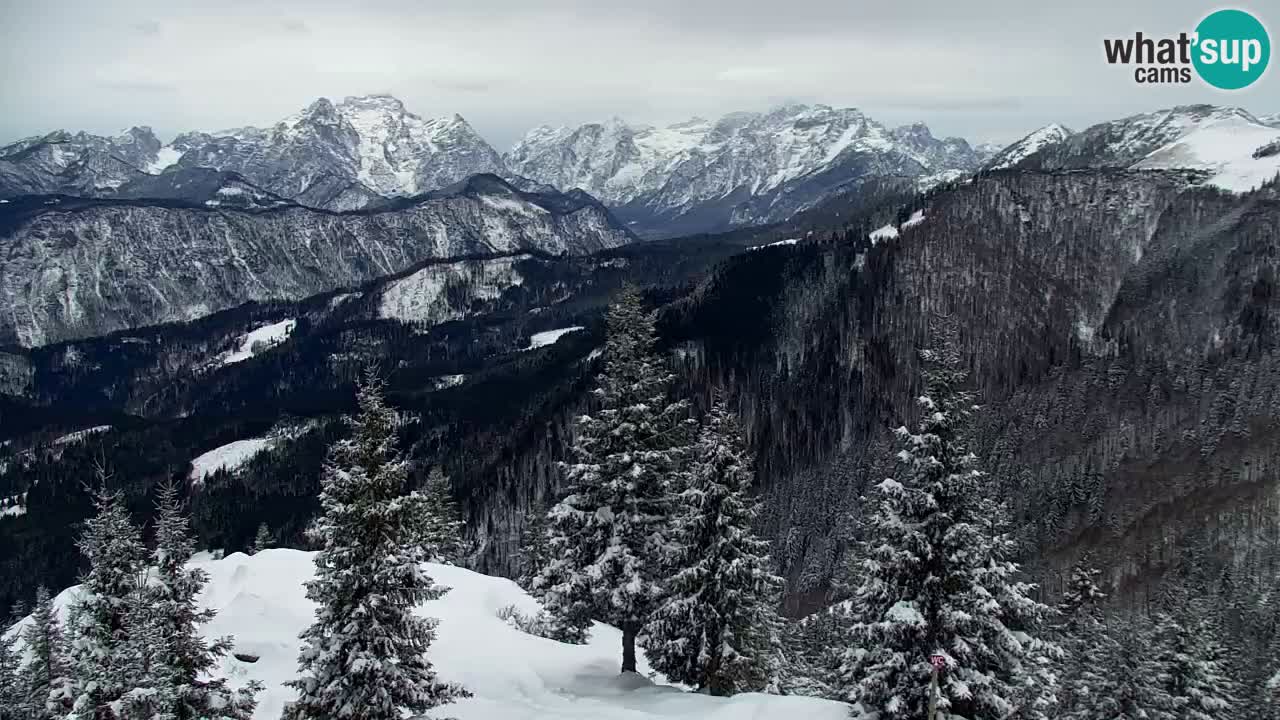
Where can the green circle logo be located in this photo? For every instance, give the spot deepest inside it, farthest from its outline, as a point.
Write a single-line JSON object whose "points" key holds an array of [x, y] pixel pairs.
{"points": [[1232, 49]]}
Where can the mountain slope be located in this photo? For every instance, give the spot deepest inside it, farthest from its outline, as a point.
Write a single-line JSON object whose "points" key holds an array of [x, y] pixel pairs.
{"points": [[1033, 142], [1235, 150], [696, 176], [1121, 143], [80, 164], [77, 268], [702, 174], [1238, 154], [260, 600], [344, 156]]}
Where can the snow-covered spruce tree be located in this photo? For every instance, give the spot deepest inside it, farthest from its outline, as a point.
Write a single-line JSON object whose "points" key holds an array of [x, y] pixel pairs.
{"points": [[442, 521], [936, 578], [12, 696], [1083, 681], [607, 534], [1189, 662], [814, 651], [105, 662], [44, 675], [179, 657], [535, 553], [1131, 689], [262, 540], [365, 657], [717, 627]]}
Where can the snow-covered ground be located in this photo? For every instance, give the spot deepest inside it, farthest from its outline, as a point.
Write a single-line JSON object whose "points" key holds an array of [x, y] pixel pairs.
{"points": [[165, 157], [261, 601], [549, 337], [229, 457], [788, 241], [1020, 150], [916, 218], [421, 297], [448, 381], [888, 232], [1225, 149], [264, 337], [81, 435], [891, 231]]}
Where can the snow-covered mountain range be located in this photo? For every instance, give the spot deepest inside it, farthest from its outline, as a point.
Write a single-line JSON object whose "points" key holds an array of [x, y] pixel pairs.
{"points": [[76, 267], [697, 175], [743, 168], [1229, 144], [342, 156]]}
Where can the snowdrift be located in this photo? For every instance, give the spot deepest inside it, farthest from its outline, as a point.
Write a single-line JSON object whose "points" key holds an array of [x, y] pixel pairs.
{"points": [[514, 676]]}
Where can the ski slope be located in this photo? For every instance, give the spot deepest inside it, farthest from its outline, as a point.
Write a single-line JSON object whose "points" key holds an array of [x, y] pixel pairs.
{"points": [[513, 676]]}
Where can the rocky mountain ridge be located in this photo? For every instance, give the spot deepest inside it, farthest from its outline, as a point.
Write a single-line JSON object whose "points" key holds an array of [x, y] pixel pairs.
{"points": [[74, 267], [699, 175]]}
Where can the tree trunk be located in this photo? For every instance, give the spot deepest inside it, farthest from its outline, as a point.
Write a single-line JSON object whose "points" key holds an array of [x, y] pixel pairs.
{"points": [[628, 648]]}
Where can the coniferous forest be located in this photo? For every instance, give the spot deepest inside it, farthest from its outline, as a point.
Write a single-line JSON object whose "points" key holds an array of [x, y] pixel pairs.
{"points": [[1017, 459]]}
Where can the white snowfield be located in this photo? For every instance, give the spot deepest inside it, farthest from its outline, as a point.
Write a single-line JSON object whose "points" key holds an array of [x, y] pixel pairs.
{"points": [[228, 457], [263, 337], [513, 676], [891, 231], [549, 337], [1225, 149], [779, 243]]}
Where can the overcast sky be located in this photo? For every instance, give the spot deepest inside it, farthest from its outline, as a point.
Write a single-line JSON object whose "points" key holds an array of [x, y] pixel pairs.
{"points": [[985, 70]]}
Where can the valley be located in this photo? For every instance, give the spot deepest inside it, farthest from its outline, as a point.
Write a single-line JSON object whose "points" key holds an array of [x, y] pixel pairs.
{"points": [[193, 312]]}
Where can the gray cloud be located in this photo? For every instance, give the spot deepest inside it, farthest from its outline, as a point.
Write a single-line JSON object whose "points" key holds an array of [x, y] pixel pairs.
{"points": [[988, 72]]}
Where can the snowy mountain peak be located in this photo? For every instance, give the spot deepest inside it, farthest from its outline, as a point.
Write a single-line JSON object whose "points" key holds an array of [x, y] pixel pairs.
{"points": [[343, 156], [1029, 145], [321, 111], [690, 167], [1117, 143]]}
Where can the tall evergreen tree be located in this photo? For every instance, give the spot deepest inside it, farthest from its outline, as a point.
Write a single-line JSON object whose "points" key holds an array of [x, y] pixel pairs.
{"points": [[936, 579], [262, 540], [1133, 690], [178, 656], [1189, 659], [717, 626], [105, 662], [607, 534], [365, 657], [442, 521], [45, 673], [1084, 683], [535, 553], [12, 695]]}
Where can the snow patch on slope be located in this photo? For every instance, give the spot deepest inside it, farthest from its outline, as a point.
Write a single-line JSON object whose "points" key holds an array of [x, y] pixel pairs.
{"points": [[165, 157], [549, 337], [780, 243], [13, 506], [1224, 149], [227, 457], [81, 435], [267, 336], [1028, 145], [888, 232], [422, 298], [261, 601]]}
